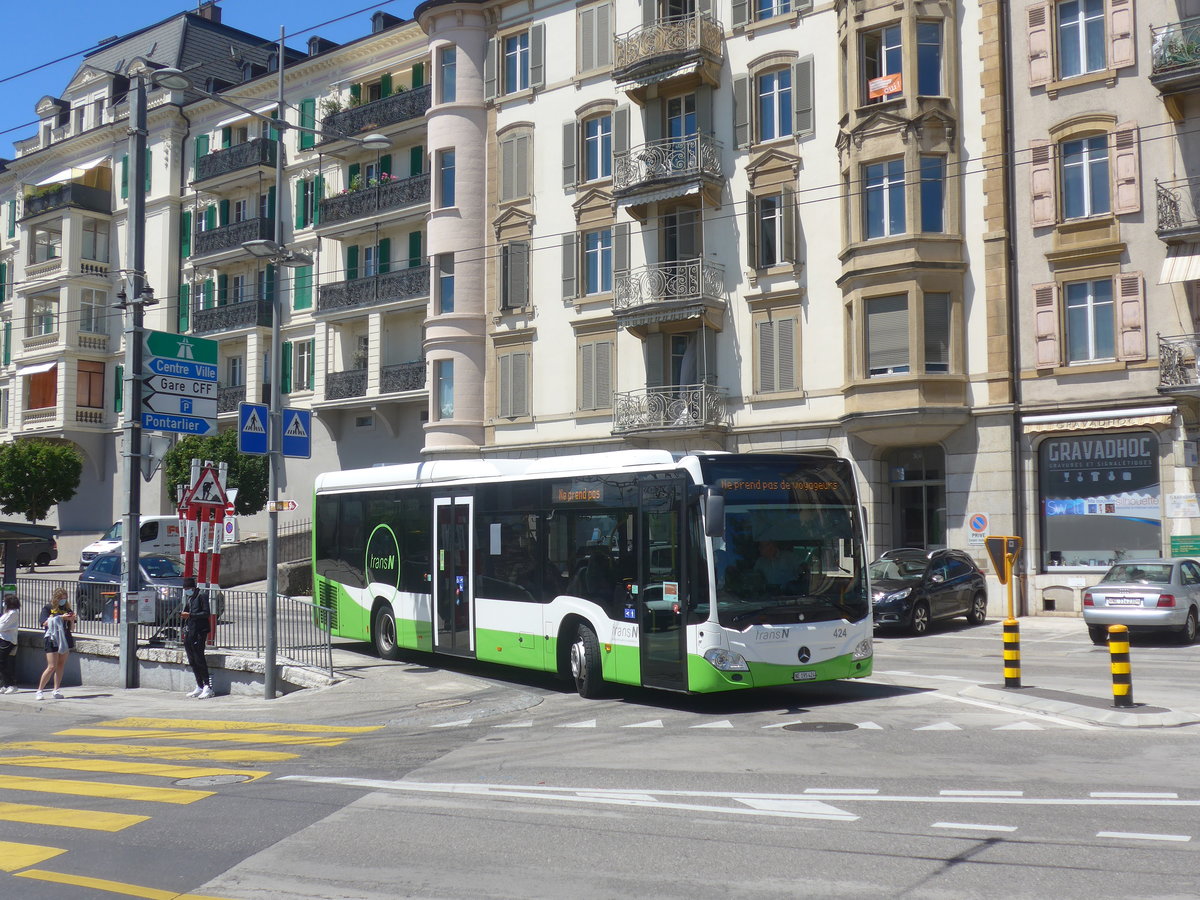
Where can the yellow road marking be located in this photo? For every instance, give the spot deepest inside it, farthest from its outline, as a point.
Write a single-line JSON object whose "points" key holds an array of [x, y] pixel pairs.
{"points": [[82, 748], [112, 887], [121, 767], [101, 789], [210, 725], [21, 856], [67, 818], [205, 736]]}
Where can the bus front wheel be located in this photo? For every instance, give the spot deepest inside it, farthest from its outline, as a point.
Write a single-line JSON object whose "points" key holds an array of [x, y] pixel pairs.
{"points": [[384, 633], [585, 663]]}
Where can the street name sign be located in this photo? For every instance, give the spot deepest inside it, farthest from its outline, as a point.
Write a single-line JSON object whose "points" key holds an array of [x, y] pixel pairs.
{"points": [[180, 393], [252, 428]]}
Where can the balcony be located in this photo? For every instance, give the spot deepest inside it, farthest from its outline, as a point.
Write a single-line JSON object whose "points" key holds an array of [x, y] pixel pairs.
{"points": [[229, 396], [1177, 371], [397, 379], [377, 114], [69, 194], [232, 236], [391, 195], [1178, 202], [670, 409], [390, 287], [343, 385], [247, 156], [669, 292], [676, 49], [661, 170], [1175, 57], [232, 316]]}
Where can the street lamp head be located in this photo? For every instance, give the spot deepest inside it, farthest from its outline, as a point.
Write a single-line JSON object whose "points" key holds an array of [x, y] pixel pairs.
{"points": [[375, 142], [263, 249], [171, 79]]}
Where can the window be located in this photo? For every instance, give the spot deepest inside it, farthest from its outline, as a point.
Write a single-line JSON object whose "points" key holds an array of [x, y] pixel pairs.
{"points": [[1085, 177], [43, 389], [240, 291], [447, 74], [929, 58], [766, 9], [516, 62], [444, 380], [515, 153], [514, 384], [235, 368], [445, 161], [302, 366], [774, 104], [241, 210], [308, 198], [770, 230], [514, 265], [597, 147], [1090, 320], [1081, 37], [883, 199], [92, 304], [937, 332], [95, 240], [445, 270], [882, 57], [89, 384], [776, 346], [43, 315], [595, 373], [887, 335], [933, 193], [47, 243], [370, 261], [597, 261]]}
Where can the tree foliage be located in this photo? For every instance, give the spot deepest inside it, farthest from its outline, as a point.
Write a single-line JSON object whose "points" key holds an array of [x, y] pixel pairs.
{"points": [[36, 475], [246, 473]]}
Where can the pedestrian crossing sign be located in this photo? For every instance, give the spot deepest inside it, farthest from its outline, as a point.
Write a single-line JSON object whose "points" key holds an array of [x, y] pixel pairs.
{"points": [[297, 433]]}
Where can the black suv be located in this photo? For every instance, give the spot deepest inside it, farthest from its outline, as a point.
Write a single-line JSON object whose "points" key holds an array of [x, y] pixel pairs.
{"points": [[36, 552], [912, 588]]}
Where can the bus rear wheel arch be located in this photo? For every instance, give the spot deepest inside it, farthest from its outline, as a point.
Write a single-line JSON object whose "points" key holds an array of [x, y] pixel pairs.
{"points": [[383, 630]]}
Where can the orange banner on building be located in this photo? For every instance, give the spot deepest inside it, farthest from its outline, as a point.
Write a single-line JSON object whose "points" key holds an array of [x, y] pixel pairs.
{"points": [[885, 85]]}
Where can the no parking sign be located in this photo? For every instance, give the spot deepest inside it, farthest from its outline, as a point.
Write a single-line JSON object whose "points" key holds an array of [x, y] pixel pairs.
{"points": [[977, 529]]}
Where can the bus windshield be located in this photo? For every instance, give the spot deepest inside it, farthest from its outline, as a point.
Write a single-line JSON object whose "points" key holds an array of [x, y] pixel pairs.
{"points": [[790, 552]]}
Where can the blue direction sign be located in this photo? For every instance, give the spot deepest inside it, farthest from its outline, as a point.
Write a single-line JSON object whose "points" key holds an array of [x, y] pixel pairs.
{"points": [[152, 421], [252, 428], [180, 392], [297, 433]]}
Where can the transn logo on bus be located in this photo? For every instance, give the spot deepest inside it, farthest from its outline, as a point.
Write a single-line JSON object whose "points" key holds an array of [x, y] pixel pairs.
{"points": [[804, 676], [776, 634]]}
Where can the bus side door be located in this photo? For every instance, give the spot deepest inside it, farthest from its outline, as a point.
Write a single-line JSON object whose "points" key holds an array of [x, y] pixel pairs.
{"points": [[661, 591], [453, 580]]}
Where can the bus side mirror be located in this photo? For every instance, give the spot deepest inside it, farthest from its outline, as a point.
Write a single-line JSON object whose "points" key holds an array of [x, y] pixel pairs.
{"points": [[713, 502]]}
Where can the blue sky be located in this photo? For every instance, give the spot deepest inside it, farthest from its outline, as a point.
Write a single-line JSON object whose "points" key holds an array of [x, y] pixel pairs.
{"points": [[45, 30]]}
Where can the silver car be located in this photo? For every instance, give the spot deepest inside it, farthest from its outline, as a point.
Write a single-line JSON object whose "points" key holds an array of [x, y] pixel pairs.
{"points": [[1145, 595]]}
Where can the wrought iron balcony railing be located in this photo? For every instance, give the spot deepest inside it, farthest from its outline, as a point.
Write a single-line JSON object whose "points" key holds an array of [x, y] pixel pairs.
{"points": [[666, 44], [341, 385], [257, 152], [394, 194], [409, 376], [1174, 47], [376, 114], [666, 161], [1177, 355], [1178, 202], [402, 284], [229, 396], [227, 237], [687, 281], [685, 407], [232, 316], [58, 196]]}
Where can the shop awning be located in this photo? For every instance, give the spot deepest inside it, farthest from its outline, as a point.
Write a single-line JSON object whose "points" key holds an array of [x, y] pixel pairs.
{"points": [[677, 72], [268, 110], [1092, 420], [667, 193], [37, 368], [69, 173], [1182, 264]]}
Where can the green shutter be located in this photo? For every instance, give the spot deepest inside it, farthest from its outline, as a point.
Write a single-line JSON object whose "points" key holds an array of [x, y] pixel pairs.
{"points": [[385, 255], [183, 316], [351, 262], [208, 293], [226, 137], [270, 282], [201, 150], [210, 217], [7, 343], [12, 218], [185, 234], [302, 279], [351, 174], [301, 211], [312, 349], [318, 194], [385, 85], [355, 94], [416, 160], [272, 131], [418, 75], [125, 176], [385, 164], [285, 365], [223, 212], [414, 248], [222, 289], [119, 390], [3, 282], [149, 169], [271, 203], [308, 119]]}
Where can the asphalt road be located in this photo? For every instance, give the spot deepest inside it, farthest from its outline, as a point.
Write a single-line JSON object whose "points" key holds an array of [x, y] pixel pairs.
{"points": [[462, 780]]}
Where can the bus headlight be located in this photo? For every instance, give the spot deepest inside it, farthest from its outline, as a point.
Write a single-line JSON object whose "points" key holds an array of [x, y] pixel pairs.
{"points": [[726, 660], [864, 649]]}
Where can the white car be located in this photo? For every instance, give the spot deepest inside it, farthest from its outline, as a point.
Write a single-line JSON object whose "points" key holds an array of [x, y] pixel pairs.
{"points": [[1145, 595]]}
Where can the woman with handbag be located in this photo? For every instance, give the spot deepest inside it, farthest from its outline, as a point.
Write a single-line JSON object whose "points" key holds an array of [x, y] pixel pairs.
{"points": [[57, 617], [9, 624]]}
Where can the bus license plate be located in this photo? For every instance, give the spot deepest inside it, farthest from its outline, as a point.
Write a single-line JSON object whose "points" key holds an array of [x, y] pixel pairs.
{"points": [[803, 676]]}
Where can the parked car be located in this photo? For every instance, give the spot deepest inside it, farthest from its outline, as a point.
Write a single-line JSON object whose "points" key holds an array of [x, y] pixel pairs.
{"points": [[912, 588], [36, 552], [104, 576], [1145, 595]]}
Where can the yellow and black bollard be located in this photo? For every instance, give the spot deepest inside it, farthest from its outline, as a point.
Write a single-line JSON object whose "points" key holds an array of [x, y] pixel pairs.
{"points": [[1012, 653], [1122, 675]]}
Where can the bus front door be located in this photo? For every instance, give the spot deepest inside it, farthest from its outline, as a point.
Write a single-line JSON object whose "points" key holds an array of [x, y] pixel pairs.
{"points": [[453, 578], [661, 592]]}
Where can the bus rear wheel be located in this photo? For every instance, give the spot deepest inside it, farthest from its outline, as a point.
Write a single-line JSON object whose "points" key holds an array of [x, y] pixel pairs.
{"points": [[383, 634], [585, 663]]}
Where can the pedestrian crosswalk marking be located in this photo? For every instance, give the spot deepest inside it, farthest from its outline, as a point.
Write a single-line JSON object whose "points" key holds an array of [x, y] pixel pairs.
{"points": [[22, 856], [111, 887], [101, 789], [724, 723], [587, 723], [80, 748], [653, 723], [939, 726], [122, 767], [225, 725], [238, 738], [91, 820]]}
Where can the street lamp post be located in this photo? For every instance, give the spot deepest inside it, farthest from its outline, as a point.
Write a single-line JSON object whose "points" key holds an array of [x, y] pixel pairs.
{"points": [[277, 252]]}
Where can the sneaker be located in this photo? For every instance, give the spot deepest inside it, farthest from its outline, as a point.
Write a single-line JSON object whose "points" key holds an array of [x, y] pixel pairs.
{"points": [[195, 692], [39, 696], [57, 695], [10, 689], [206, 693]]}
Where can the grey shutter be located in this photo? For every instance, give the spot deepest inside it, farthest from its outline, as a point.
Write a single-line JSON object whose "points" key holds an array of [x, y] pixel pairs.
{"points": [[620, 130], [603, 375], [802, 96], [766, 357], [570, 289], [937, 332], [790, 251], [520, 384], [489, 70], [506, 392], [704, 104], [655, 359], [741, 111], [706, 364], [741, 12], [521, 149], [652, 121], [507, 169], [649, 12], [587, 39], [753, 223], [570, 141], [537, 56], [517, 275], [705, 7], [887, 333], [604, 37], [587, 376], [785, 353], [621, 247]]}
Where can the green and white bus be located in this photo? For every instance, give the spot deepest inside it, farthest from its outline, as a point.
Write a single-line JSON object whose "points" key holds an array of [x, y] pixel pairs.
{"points": [[703, 572]]}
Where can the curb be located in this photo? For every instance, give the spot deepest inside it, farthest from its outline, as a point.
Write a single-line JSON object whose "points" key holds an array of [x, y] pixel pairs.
{"points": [[1152, 717]]}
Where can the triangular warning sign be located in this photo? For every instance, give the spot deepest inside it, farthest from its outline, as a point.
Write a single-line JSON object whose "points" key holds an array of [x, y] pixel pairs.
{"points": [[254, 424], [206, 490], [296, 428]]}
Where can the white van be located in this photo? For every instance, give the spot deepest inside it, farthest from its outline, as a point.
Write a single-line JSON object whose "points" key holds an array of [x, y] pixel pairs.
{"points": [[159, 536]]}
